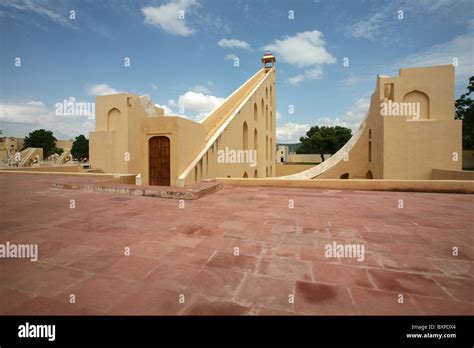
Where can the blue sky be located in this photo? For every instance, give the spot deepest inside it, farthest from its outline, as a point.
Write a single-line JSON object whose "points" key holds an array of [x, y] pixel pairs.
{"points": [[189, 62]]}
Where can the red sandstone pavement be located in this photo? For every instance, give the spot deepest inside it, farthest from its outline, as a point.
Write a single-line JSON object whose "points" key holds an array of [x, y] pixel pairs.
{"points": [[188, 254]]}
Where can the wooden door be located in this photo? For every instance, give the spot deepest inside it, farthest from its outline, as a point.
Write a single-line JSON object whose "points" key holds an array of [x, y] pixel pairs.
{"points": [[159, 161]]}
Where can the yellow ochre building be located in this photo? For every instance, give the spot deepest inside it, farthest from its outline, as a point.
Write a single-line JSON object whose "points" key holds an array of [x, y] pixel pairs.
{"points": [[408, 132]]}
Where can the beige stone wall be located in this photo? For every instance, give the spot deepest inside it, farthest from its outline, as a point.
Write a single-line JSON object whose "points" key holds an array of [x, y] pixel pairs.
{"points": [[308, 158], [413, 148], [288, 169], [115, 145], [449, 186], [66, 145]]}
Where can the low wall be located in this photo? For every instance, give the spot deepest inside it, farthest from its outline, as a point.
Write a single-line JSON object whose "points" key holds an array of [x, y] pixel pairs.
{"points": [[288, 169], [114, 178], [49, 169], [448, 186], [442, 174], [305, 157]]}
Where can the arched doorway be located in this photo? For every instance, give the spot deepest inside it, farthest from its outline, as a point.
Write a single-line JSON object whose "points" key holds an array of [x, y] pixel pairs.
{"points": [[369, 175], [344, 176], [159, 161]]}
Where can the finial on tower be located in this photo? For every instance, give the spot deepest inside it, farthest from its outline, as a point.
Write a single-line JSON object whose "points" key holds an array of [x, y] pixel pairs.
{"points": [[268, 58]]}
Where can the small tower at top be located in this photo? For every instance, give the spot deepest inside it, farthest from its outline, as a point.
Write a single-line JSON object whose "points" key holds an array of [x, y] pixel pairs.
{"points": [[268, 60]]}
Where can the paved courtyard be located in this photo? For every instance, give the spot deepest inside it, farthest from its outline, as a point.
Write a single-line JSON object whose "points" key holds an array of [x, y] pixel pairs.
{"points": [[241, 250]]}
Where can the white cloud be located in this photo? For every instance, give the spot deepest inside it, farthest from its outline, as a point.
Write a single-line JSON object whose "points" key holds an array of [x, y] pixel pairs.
{"points": [[167, 16], [155, 87], [27, 113], [234, 43], [172, 102], [199, 103], [19, 119], [101, 89], [311, 74], [230, 57], [201, 89], [302, 50], [291, 132], [380, 25], [369, 28], [278, 115], [36, 103], [351, 119], [295, 80], [38, 8], [460, 47]]}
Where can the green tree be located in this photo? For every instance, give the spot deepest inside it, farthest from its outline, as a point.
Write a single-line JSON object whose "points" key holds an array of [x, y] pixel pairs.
{"points": [[324, 140], [57, 150], [80, 147], [41, 138], [465, 112]]}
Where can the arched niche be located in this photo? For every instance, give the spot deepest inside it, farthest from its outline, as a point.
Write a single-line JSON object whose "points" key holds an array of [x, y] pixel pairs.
{"points": [[245, 136], [423, 102], [113, 117]]}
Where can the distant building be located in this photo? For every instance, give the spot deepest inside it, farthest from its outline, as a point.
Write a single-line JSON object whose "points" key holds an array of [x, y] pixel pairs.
{"points": [[9, 146], [282, 154], [66, 145]]}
